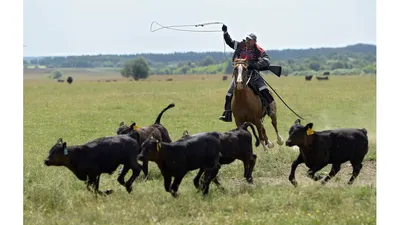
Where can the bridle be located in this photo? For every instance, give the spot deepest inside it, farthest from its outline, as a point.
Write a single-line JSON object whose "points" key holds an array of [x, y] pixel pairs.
{"points": [[240, 73]]}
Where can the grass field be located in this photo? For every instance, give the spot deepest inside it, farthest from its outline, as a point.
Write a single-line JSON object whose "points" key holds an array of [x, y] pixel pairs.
{"points": [[88, 109]]}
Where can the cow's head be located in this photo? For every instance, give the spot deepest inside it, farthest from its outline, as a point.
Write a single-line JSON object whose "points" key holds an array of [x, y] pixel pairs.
{"points": [[57, 154], [124, 129], [300, 135], [150, 149]]}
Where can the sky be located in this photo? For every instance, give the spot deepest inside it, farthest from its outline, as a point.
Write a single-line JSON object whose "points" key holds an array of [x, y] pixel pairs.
{"points": [[90, 27]]}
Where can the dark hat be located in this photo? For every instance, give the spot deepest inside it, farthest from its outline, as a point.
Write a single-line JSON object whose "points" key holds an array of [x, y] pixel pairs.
{"points": [[251, 36]]}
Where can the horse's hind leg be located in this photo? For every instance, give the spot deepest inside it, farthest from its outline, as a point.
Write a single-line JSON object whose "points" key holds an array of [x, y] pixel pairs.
{"points": [[274, 122]]}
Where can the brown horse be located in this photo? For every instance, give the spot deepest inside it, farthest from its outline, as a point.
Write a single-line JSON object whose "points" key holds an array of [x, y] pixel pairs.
{"points": [[247, 106]]}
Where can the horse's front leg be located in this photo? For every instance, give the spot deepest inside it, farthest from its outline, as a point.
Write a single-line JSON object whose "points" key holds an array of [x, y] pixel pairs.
{"points": [[263, 135]]}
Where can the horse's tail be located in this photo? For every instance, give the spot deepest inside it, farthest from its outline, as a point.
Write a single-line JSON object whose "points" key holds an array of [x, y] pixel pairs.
{"points": [[162, 112], [247, 124]]}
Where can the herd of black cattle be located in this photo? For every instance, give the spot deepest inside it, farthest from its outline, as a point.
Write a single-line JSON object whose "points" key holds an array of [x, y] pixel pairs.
{"points": [[205, 151]]}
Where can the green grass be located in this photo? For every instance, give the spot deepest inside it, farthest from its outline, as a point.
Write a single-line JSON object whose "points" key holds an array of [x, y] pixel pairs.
{"points": [[86, 110]]}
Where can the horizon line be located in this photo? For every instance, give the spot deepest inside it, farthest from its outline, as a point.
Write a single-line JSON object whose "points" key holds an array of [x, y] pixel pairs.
{"points": [[166, 53]]}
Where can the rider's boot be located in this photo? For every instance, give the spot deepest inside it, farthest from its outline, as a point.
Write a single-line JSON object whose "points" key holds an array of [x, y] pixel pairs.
{"points": [[227, 114], [266, 95]]}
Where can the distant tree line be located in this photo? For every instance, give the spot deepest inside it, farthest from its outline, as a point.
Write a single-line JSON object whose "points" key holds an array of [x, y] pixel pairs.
{"points": [[357, 59]]}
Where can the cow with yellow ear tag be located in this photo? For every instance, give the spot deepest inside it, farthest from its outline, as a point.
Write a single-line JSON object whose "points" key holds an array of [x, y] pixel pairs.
{"points": [[320, 148]]}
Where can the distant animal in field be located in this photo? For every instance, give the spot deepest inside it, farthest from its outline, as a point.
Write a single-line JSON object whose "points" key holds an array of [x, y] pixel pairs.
{"points": [[322, 78], [69, 80], [225, 77], [320, 148], [169, 79], [309, 77], [61, 81]]}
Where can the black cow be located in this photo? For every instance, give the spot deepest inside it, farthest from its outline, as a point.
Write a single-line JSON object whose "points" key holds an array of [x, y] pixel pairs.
{"points": [[102, 155], [309, 77], [157, 130], [235, 144], [322, 78], [320, 148], [175, 159]]}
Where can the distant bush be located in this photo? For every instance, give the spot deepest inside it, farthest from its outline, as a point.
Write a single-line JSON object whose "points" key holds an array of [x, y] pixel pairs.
{"points": [[56, 74]]}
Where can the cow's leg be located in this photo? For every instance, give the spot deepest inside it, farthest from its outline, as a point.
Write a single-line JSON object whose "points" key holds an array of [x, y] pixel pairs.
{"points": [[145, 168], [106, 192], [90, 183], [136, 168], [315, 168], [295, 163], [274, 122], [334, 170], [252, 163], [167, 182], [356, 171], [209, 175], [123, 172], [196, 179], [216, 182], [175, 185]]}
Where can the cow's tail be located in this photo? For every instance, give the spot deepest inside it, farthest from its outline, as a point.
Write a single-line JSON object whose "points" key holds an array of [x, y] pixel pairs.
{"points": [[162, 112], [247, 124]]}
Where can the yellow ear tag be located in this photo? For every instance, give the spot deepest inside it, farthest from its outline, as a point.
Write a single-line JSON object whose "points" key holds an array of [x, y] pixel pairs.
{"points": [[158, 146], [310, 131], [136, 127]]}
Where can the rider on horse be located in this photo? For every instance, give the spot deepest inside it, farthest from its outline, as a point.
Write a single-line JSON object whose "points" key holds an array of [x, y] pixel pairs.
{"points": [[258, 60]]}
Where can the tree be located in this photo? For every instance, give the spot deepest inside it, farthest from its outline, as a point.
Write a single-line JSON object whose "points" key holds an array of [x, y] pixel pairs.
{"points": [[207, 61], [137, 68], [57, 74], [314, 66], [184, 69]]}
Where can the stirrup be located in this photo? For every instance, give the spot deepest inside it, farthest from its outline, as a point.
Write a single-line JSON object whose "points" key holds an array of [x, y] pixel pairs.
{"points": [[226, 116]]}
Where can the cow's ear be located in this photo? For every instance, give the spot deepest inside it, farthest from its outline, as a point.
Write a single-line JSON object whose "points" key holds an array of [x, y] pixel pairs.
{"points": [[122, 123], [185, 132], [297, 121], [132, 126], [309, 128]]}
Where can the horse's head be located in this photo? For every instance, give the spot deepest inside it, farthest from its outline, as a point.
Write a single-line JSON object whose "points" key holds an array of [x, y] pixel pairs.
{"points": [[240, 74]]}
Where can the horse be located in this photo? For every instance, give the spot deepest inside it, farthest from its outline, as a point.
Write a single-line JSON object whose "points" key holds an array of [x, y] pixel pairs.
{"points": [[247, 106]]}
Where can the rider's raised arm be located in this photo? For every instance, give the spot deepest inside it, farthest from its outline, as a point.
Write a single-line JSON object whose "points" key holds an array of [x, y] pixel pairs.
{"points": [[228, 40], [231, 43]]}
